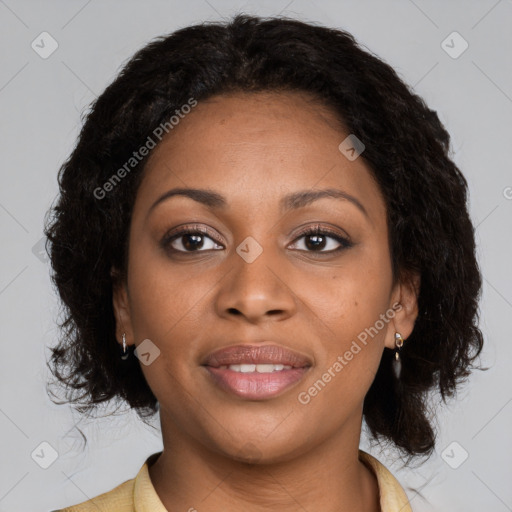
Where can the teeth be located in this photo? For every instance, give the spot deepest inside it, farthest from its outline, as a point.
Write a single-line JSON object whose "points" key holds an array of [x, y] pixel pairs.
{"points": [[259, 368], [265, 368]]}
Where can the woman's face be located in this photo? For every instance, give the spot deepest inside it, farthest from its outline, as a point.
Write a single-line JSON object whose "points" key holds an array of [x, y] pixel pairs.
{"points": [[254, 279]]}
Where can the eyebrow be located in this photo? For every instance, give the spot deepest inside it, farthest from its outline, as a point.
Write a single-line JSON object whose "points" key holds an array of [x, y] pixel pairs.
{"points": [[289, 202]]}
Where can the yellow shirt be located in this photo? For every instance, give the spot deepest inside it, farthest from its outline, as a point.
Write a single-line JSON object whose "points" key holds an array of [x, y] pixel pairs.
{"points": [[139, 495]]}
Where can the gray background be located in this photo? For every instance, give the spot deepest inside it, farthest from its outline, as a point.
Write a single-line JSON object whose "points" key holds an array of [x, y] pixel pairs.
{"points": [[40, 105]]}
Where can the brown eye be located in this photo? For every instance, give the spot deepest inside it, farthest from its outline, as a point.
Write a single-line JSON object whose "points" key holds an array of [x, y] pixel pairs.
{"points": [[321, 241], [190, 240], [314, 242]]}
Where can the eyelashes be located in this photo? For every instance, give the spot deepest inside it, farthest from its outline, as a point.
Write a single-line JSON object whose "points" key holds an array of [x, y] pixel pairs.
{"points": [[195, 239], [318, 232], [318, 240]]}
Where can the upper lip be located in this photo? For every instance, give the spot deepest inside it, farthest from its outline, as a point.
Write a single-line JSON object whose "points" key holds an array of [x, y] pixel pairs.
{"points": [[256, 354]]}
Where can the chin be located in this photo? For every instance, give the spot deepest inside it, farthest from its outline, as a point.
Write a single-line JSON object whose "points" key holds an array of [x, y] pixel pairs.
{"points": [[262, 452]]}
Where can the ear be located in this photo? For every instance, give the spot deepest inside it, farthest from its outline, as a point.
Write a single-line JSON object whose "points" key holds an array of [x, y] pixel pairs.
{"points": [[120, 303], [404, 302]]}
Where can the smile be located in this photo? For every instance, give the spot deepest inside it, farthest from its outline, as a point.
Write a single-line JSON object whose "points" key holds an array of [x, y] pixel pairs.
{"points": [[256, 372], [259, 368]]}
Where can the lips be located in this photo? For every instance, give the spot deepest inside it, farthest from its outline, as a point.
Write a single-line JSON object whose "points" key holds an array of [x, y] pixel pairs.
{"points": [[256, 372], [251, 354]]}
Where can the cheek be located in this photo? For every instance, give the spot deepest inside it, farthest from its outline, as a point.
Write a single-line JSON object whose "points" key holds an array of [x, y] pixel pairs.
{"points": [[353, 295], [165, 305], [352, 307], [168, 305], [164, 297]]}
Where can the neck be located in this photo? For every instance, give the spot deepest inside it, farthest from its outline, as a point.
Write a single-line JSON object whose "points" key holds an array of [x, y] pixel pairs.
{"points": [[329, 477]]}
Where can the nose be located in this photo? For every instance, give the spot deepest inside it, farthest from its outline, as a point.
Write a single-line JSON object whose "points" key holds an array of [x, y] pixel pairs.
{"points": [[256, 291]]}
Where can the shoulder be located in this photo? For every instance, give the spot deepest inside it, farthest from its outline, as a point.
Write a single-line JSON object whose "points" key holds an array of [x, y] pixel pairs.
{"points": [[136, 493], [392, 495], [119, 499]]}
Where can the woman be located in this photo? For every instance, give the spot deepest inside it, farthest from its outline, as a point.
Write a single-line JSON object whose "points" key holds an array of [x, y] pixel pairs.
{"points": [[264, 219]]}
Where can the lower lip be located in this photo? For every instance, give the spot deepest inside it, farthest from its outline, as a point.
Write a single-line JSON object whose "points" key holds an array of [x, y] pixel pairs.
{"points": [[254, 385]]}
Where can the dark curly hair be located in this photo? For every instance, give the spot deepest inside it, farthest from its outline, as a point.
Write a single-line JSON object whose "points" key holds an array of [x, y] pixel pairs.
{"points": [[407, 149]]}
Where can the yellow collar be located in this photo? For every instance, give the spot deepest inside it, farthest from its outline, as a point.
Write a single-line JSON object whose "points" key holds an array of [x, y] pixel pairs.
{"points": [[392, 496]]}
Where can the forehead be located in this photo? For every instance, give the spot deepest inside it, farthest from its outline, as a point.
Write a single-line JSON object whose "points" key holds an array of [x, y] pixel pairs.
{"points": [[257, 147]]}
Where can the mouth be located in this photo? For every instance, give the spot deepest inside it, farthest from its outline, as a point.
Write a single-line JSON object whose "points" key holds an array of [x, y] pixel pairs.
{"points": [[256, 372]]}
